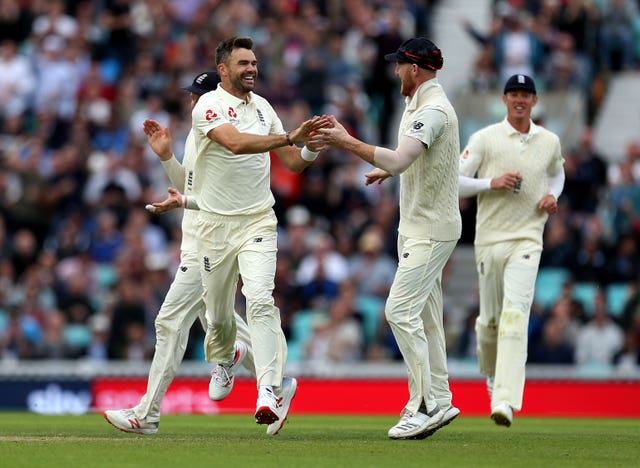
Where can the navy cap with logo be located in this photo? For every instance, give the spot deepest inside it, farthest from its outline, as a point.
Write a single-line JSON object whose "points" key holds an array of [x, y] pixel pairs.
{"points": [[418, 50], [203, 83], [520, 82]]}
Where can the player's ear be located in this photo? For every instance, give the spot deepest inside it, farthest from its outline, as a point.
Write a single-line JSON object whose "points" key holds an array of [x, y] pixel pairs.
{"points": [[535, 100], [222, 70]]}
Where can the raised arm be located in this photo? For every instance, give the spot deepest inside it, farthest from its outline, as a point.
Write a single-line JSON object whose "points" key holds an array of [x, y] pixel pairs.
{"points": [[159, 139]]}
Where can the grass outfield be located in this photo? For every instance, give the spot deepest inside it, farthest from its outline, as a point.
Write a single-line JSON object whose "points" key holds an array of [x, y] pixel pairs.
{"points": [[29, 440]]}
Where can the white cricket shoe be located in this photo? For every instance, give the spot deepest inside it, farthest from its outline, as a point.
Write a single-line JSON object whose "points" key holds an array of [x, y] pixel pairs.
{"points": [[417, 425], [502, 414], [127, 421], [222, 377], [267, 407], [450, 414], [289, 387]]}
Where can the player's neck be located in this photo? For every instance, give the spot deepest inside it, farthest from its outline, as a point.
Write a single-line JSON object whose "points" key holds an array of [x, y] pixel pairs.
{"points": [[235, 92], [520, 124]]}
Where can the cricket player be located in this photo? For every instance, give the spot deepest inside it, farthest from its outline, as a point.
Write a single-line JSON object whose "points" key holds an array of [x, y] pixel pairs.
{"points": [[430, 226], [520, 175], [183, 302], [234, 131]]}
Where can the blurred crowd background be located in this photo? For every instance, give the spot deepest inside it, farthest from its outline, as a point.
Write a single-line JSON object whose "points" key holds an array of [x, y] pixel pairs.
{"points": [[84, 268]]}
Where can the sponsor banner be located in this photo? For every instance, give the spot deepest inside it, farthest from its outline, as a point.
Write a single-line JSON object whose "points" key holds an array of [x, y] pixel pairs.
{"points": [[46, 396], [375, 396]]}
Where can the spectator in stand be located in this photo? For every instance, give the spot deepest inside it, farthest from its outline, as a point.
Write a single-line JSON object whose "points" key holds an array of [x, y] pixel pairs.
{"points": [[625, 201], [58, 82], [616, 44], [484, 77], [371, 269], [17, 81], [601, 338], [628, 359], [624, 265], [590, 265], [516, 49], [20, 336], [563, 70], [381, 86], [339, 337], [321, 271], [559, 244], [632, 160], [551, 348], [54, 20], [55, 343], [16, 20], [586, 174]]}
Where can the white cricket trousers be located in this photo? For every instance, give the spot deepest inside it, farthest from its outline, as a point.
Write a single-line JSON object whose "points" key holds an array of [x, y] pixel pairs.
{"points": [[506, 277], [414, 312], [245, 245], [182, 305]]}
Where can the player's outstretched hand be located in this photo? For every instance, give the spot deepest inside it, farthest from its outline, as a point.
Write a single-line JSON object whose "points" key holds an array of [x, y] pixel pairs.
{"points": [[377, 175], [159, 139], [301, 134], [333, 135], [173, 201]]}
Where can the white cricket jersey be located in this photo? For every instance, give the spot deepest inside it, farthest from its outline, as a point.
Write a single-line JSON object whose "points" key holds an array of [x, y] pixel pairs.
{"points": [[228, 183], [429, 207], [499, 148], [189, 243]]}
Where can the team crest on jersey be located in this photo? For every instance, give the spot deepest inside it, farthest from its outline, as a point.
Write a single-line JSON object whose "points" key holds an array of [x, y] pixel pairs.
{"points": [[417, 125], [232, 113], [210, 115]]}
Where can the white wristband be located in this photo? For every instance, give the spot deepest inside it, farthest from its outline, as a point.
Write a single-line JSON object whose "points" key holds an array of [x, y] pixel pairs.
{"points": [[308, 155], [184, 201]]}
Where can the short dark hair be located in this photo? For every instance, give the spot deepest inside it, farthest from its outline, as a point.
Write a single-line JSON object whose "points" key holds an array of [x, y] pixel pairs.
{"points": [[224, 49]]}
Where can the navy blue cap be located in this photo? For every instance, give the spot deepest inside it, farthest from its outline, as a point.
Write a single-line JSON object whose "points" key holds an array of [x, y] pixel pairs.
{"points": [[418, 50], [521, 82], [203, 83]]}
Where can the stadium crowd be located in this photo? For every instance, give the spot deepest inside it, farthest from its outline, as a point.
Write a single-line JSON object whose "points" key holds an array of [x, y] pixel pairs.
{"points": [[84, 268]]}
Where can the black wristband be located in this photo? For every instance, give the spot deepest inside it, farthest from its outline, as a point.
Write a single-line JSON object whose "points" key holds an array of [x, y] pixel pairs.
{"points": [[289, 142]]}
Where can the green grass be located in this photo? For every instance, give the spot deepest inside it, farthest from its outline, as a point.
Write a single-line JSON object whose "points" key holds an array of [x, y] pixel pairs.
{"points": [[233, 441]]}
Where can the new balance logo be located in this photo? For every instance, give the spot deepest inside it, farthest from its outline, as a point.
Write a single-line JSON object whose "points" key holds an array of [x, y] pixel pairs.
{"points": [[183, 268], [405, 255], [257, 239], [135, 424], [207, 264]]}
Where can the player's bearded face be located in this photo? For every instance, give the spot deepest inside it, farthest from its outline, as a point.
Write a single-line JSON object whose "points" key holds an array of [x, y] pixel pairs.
{"points": [[244, 70], [407, 80]]}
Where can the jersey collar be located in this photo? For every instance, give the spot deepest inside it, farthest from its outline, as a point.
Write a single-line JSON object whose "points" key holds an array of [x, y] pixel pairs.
{"points": [[231, 99], [533, 128]]}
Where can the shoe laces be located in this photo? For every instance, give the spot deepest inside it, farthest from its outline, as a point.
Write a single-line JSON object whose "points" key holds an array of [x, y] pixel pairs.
{"points": [[274, 400], [406, 414], [221, 375], [128, 413]]}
